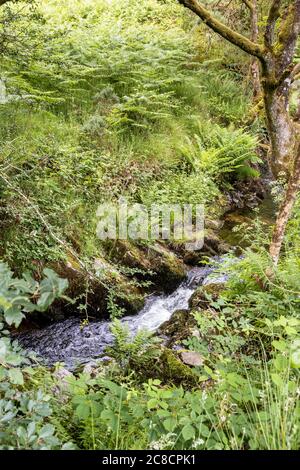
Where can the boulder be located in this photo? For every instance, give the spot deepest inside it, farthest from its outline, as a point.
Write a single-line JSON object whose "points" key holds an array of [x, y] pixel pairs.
{"points": [[178, 327], [202, 297], [192, 358], [160, 264]]}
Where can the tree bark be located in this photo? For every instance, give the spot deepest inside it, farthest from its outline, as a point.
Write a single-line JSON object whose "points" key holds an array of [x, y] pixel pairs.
{"points": [[220, 28], [285, 210], [281, 127], [254, 67]]}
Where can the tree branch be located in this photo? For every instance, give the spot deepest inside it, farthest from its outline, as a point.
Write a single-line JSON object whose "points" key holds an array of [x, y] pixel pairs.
{"points": [[295, 71], [288, 35], [220, 28], [274, 14], [248, 4]]}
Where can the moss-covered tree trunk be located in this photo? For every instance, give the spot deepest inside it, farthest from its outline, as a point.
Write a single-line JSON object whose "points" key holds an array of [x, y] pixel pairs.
{"points": [[281, 128], [285, 210]]}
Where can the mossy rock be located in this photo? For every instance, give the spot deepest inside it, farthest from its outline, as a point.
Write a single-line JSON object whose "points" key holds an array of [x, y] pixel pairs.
{"points": [[170, 370], [202, 297], [127, 253], [178, 327], [84, 288], [235, 218], [213, 245], [161, 266], [174, 371], [170, 269]]}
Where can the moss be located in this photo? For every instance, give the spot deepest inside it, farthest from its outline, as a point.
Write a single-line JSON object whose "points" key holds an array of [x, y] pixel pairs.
{"points": [[285, 30], [175, 372], [203, 296], [91, 292], [160, 265], [178, 327]]}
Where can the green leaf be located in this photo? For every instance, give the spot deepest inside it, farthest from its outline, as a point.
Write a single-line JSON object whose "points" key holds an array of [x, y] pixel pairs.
{"points": [[163, 413], [110, 416], [281, 363], [152, 403], [170, 424], [69, 446], [45, 300], [188, 432], [277, 380], [4, 304], [16, 376], [295, 359], [13, 316], [3, 349], [290, 330], [46, 431], [83, 410], [279, 345]]}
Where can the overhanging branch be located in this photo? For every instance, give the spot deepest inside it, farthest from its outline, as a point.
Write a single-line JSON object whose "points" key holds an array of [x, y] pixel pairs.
{"points": [[295, 71], [220, 28]]}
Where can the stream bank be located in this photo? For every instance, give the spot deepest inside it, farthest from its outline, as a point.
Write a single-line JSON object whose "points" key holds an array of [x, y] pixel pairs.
{"points": [[74, 343]]}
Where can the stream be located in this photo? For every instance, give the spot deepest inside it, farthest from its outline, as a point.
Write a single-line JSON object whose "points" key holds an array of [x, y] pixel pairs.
{"points": [[70, 342]]}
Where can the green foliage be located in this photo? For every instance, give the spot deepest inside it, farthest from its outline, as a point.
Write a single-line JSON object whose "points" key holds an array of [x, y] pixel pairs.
{"points": [[24, 413], [133, 351], [130, 98], [219, 94], [217, 151], [193, 189], [21, 296], [100, 107]]}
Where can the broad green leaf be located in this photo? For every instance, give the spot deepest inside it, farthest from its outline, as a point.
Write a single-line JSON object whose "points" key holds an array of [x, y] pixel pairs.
{"points": [[13, 316], [295, 359], [16, 376], [4, 303], [46, 431], [170, 424], [152, 403], [188, 432], [83, 410], [279, 345]]}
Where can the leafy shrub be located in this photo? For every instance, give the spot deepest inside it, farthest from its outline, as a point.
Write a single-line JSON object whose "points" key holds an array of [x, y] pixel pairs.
{"points": [[133, 351], [195, 188], [219, 151], [24, 413], [20, 296]]}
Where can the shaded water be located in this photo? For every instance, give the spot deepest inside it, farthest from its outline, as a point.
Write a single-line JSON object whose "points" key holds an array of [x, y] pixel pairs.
{"points": [[265, 212], [68, 342]]}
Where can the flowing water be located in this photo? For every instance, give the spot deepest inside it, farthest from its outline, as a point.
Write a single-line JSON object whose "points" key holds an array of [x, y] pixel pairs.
{"points": [[67, 341]]}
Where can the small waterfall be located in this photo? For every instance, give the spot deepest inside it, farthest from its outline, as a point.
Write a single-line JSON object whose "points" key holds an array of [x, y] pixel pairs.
{"points": [[67, 341]]}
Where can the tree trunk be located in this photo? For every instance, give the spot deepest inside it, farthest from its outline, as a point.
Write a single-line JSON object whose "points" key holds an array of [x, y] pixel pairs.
{"points": [[284, 156], [280, 126], [297, 116], [285, 210]]}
